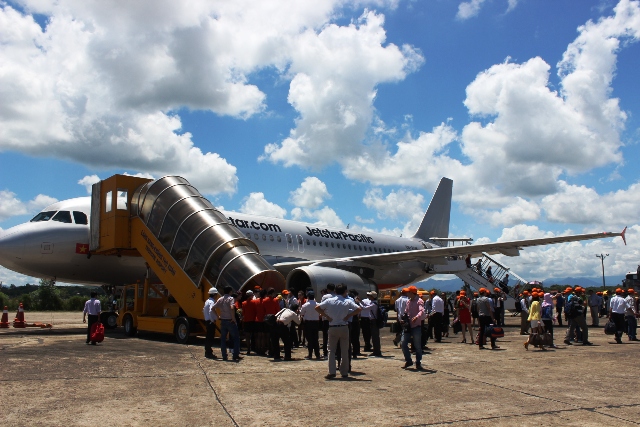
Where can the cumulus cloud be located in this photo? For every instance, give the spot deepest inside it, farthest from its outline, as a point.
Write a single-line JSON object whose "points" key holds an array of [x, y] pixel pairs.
{"points": [[256, 204], [88, 182], [325, 216], [335, 74], [100, 84], [523, 135], [579, 204], [311, 193], [11, 206]]}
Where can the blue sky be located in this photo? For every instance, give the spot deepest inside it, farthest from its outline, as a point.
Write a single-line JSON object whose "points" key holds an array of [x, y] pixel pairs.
{"points": [[338, 112]]}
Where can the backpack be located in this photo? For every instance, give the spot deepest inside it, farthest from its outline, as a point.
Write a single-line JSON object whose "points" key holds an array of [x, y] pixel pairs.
{"points": [[575, 307], [382, 316], [547, 312]]}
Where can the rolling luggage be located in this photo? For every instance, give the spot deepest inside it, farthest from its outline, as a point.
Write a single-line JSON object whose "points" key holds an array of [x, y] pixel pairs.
{"points": [[97, 332]]}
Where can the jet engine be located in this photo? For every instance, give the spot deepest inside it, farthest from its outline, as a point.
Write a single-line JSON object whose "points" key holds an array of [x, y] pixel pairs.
{"points": [[317, 278]]}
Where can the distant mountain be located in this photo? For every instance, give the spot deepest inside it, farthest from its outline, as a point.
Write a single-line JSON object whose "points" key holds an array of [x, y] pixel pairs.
{"points": [[451, 285]]}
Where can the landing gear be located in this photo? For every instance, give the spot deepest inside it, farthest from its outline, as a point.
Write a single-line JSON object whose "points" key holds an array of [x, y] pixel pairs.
{"points": [[109, 319]]}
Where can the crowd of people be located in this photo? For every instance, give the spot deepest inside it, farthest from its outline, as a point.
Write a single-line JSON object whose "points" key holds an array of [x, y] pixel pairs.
{"points": [[343, 320]]}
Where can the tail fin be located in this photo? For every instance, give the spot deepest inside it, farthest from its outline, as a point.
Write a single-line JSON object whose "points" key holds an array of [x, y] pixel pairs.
{"points": [[436, 220]]}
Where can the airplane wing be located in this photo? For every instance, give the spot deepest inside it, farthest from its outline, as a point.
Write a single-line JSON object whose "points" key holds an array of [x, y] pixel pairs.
{"points": [[438, 255]]}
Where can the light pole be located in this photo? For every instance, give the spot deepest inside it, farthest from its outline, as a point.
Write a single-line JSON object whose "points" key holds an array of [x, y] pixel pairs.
{"points": [[602, 257]]}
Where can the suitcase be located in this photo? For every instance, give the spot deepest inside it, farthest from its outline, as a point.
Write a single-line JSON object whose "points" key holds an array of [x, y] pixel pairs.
{"points": [[610, 328], [97, 332]]}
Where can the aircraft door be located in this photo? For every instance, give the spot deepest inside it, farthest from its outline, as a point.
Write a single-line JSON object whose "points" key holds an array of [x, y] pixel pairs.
{"points": [[300, 243], [289, 242]]}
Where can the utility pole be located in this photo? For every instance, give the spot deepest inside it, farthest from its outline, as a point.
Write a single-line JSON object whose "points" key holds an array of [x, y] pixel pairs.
{"points": [[602, 257]]}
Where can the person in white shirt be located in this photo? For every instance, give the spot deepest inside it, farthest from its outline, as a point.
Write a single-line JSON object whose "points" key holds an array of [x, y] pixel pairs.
{"points": [[630, 315], [311, 324], [365, 323], [227, 308], [285, 318], [373, 323], [330, 293], [338, 310], [91, 310], [617, 310], [400, 305], [210, 317], [436, 316]]}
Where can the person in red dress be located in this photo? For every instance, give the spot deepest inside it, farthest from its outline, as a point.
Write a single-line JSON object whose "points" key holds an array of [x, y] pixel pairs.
{"points": [[464, 315]]}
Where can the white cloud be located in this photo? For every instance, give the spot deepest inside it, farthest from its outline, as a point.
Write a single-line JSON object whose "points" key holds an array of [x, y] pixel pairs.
{"points": [[335, 74], [311, 193], [401, 203], [583, 205], [526, 135], [323, 217], [365, 220], [256, 204], [88, 182], [469, 9], [11, 206]]}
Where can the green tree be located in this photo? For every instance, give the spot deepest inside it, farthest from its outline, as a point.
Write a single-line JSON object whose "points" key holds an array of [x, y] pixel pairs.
{"points": [[75, 303], [48, 296], [4, 300]]}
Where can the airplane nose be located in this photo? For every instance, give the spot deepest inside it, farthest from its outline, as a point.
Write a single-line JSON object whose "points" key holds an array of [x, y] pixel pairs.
{"points": [[11, 247]]}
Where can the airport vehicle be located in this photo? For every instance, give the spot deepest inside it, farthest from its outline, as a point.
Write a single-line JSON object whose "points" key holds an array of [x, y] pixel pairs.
{"points": [[388, 298], [58, 243]]}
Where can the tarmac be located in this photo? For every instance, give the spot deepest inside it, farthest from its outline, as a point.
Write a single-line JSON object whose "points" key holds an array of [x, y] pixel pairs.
{"points": [[51, 377]]}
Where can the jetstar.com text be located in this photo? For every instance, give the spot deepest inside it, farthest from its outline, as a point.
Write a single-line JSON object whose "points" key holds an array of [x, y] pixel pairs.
{"points": [[240, 223], [340, 235]]}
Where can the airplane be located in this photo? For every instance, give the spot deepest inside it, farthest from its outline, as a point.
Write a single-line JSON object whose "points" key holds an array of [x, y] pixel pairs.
{"points": [[55, 245]]}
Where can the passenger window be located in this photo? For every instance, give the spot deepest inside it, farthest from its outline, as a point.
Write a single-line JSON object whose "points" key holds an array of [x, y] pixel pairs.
{"points": [[43, 216], [255, 236], [289, 238], [249, 236], [344, 246], [332, 245], [349, 245], [314, 243], [62, 216], [122, 199], [308, 243], [108, 201], [271, 238], [360, 247], [264, 237], [279, 239], [80, 217]]}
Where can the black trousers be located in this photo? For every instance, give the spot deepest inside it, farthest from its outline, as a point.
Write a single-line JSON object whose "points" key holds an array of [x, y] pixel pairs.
{"points": [[618, 319], [435, 325], [548, 326], [91, 319], [208, 341], [283, 332], [311, 329], [325, 336], [354, 335], [366, 332], [293, 332], [559, 316], [484, 322]]}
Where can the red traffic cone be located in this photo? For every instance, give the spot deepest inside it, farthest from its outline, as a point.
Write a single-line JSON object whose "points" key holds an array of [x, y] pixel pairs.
{"points": [[18, 322], [5, 318]]}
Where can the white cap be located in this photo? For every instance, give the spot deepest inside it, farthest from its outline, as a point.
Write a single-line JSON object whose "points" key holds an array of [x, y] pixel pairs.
{"points": [[213, 291]]}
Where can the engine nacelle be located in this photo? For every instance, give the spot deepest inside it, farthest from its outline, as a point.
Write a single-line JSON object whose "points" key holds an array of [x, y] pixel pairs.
{"points": [[317, 278]]}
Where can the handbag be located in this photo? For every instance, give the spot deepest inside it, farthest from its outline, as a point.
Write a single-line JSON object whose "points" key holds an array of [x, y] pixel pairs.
{"points": [[494, 331], [457, 326], [543, 339], [610, 328]]}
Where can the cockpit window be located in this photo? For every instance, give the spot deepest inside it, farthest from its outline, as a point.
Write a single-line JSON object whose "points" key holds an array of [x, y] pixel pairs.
{"points": [[43, 216], [80, 217], [62, 216]]}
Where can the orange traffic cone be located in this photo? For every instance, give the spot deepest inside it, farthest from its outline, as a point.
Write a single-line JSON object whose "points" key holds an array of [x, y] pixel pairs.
{"points": [[5, 318], [18, 322]]}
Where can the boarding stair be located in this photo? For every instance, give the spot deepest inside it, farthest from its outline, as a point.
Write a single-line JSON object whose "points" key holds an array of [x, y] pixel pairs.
{"points": [[476, 277], [185, 240]]}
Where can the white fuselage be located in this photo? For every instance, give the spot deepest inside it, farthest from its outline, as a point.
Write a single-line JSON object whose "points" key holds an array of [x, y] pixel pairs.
{"points": [[53, 249]]}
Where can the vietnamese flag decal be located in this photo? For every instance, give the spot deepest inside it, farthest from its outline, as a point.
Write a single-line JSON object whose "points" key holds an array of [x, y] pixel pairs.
{"points": [[82, 248]]}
